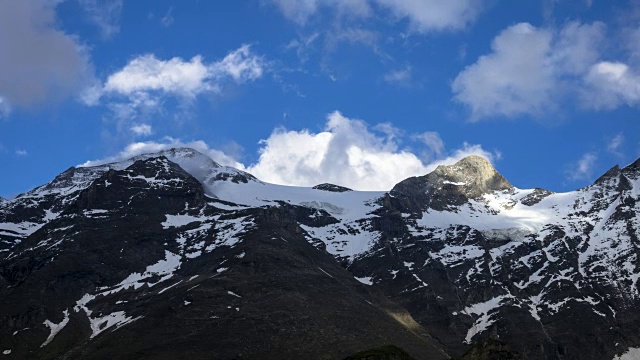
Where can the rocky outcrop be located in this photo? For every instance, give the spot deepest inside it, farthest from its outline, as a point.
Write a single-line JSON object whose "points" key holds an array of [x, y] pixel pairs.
{"points": [[331, 187]]}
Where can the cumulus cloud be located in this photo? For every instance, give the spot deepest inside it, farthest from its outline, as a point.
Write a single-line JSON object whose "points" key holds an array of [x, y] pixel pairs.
{"points": [[105, 14], [39, 62], [348, 152], [529, 69], [611, 84], [583, 168], [141, 85]]}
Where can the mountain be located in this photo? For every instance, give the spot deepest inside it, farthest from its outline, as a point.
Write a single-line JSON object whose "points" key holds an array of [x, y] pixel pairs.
{"points": [[170, 255]]}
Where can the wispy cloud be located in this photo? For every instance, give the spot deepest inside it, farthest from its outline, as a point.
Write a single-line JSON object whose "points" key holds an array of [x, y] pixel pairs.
{"points": [[167, 19], [422, 15], [141, 129], [105, 14], [400, 77], [583, 168], [614, 144]]}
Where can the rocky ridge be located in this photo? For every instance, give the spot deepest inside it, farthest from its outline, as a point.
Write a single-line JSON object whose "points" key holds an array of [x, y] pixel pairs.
{"points": [[147, 248]]}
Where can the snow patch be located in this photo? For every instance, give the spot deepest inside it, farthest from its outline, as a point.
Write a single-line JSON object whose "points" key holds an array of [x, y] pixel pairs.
{"points": [[55, 328], [483, 311], [117, 319], [367, 280], [180, 220], [631, 354]]}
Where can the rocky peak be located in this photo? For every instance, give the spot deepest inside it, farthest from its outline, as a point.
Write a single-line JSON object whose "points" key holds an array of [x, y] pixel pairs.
{"points": [[331, 187], [475, 173], [195, 163], [449, 186], [632, 170], [612, 173]]}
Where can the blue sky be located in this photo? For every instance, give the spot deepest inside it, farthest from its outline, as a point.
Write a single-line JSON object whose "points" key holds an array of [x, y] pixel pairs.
{"points": [[362, 93]]}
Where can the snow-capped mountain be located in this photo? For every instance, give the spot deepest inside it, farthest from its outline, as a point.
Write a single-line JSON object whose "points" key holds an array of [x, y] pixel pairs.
{"points": [[170, 255]]}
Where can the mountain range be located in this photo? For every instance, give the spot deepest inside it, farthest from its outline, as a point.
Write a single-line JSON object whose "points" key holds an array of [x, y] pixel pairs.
{"points": [[170, 255]]}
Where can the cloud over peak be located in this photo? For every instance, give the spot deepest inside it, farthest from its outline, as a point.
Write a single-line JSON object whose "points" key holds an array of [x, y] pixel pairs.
{"points": [[347, 152]]}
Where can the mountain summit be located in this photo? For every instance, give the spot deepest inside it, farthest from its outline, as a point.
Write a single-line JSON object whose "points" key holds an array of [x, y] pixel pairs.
{"points": [[474, 172], [169, 254], [450, 186]]}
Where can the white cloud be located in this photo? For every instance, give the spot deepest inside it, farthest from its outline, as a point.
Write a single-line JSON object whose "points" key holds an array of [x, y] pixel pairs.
{"points": [[178, 77], [583, 168], [241, 65], [348, 152], [147, 73], [39, 63], [105, 14], [529, 69], [141, 129], [611, 84], [435, 15], [21, 152], [140, 86]]}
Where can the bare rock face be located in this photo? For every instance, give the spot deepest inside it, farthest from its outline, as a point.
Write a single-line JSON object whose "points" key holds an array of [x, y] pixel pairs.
{"points": [[535, 197], [450, 186], [331, 187]]}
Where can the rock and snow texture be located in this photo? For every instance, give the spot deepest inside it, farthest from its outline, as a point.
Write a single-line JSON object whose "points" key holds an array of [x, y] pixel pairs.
{"points": [[631, 354], [55, 328], [459, 246]]}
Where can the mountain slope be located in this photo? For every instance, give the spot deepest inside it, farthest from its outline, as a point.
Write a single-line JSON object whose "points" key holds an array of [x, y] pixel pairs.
{"points": [[143, 264], [172, 248]]}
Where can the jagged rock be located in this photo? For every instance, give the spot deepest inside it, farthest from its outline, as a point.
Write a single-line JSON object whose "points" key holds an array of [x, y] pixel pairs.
{"points": [[331, 187], [535, 197]]}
